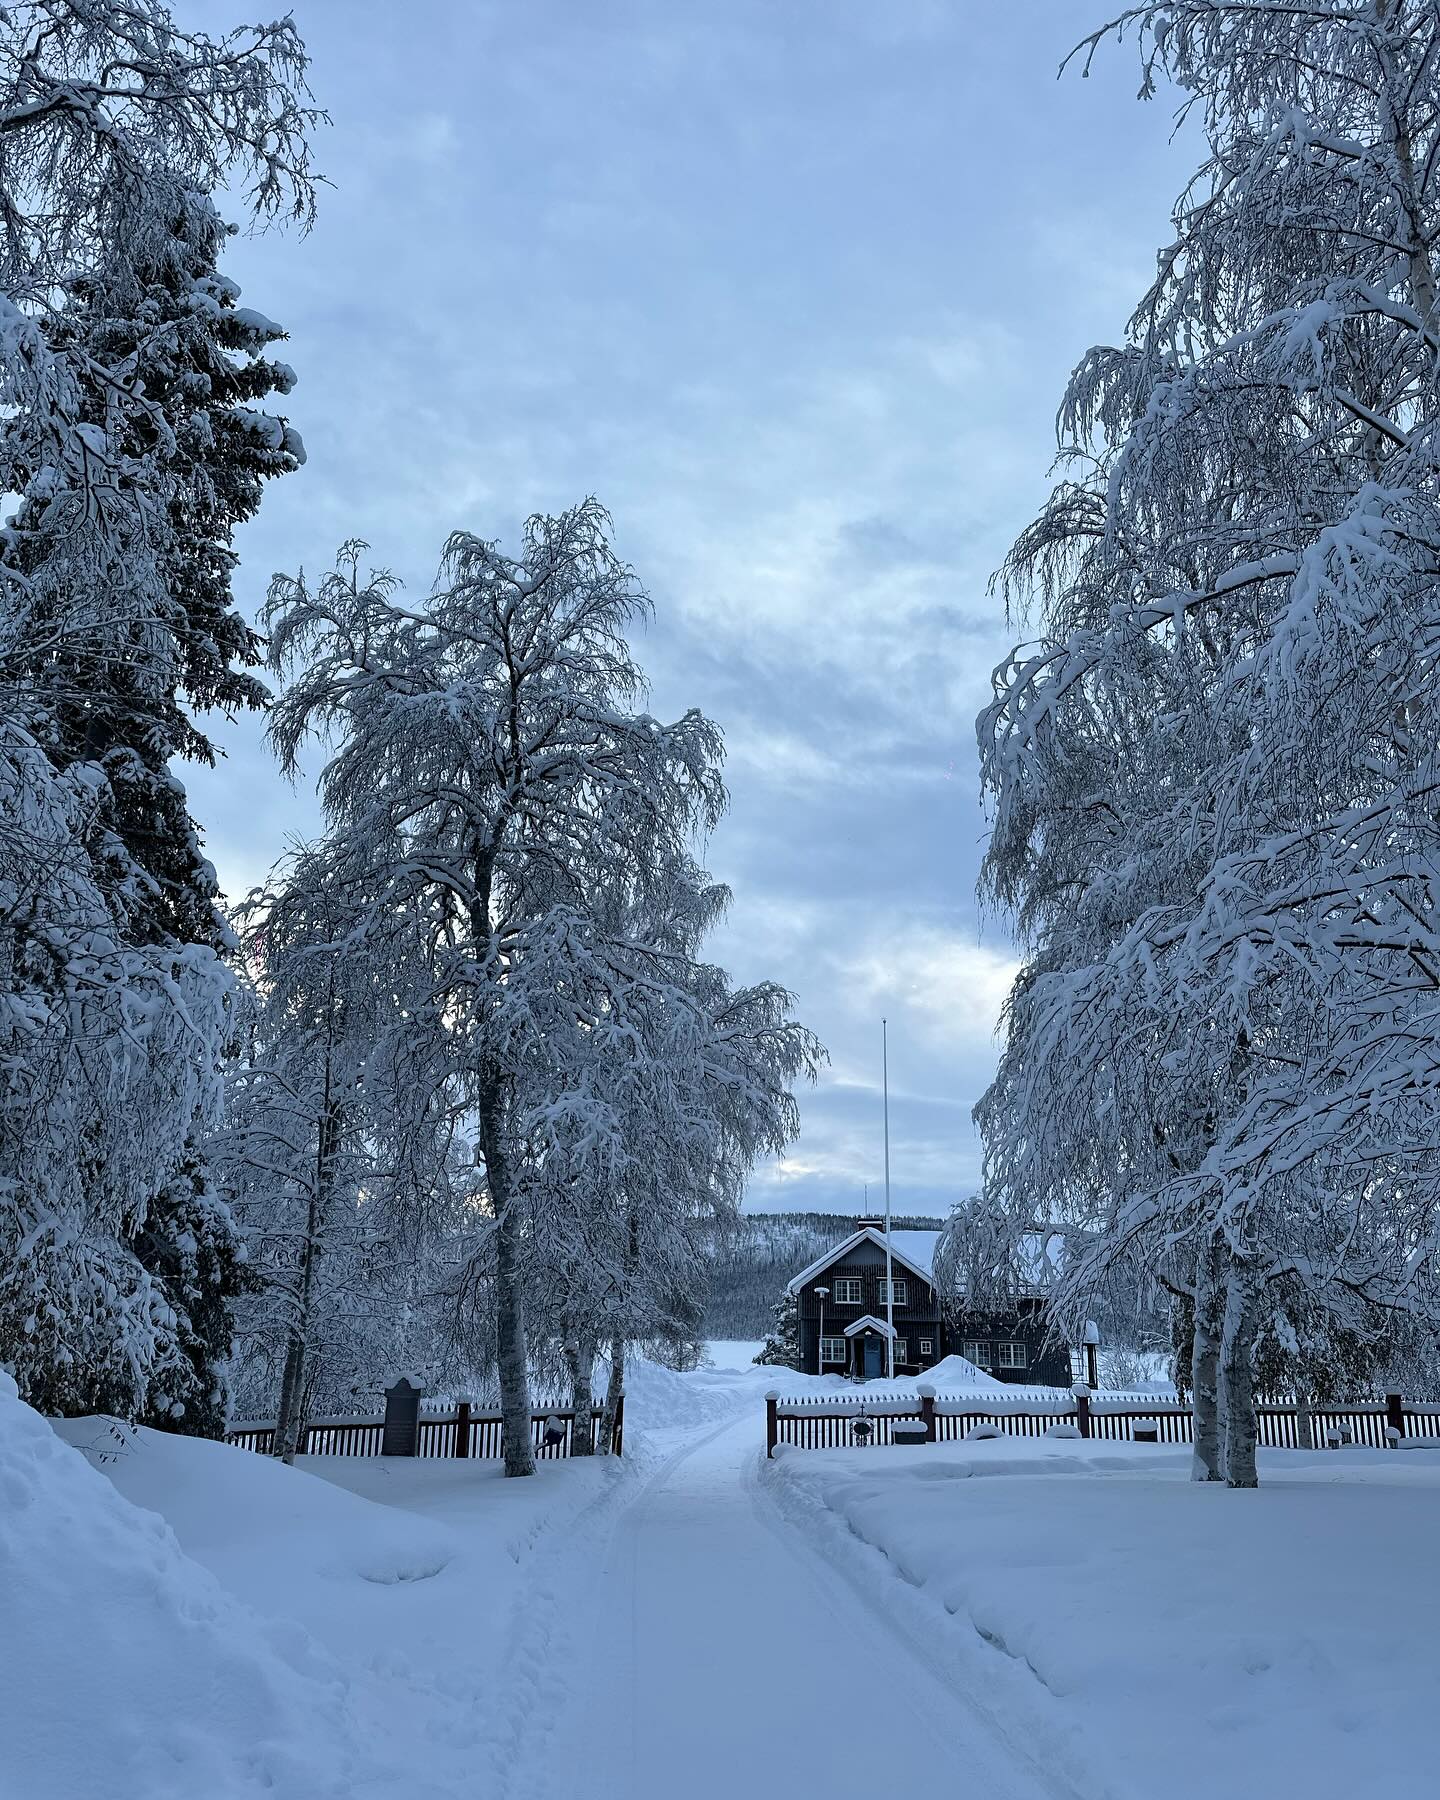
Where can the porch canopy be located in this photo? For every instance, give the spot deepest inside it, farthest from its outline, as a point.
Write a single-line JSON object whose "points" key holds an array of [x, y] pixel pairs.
{"points": [[870, 1323]]}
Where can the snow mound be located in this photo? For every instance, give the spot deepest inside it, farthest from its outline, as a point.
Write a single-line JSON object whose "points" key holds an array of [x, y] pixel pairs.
{"points": [[136, 1675], [954, 1375], [255, 1523]]}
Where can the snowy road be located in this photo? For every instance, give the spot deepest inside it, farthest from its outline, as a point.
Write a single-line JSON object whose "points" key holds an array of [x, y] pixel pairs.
{"points": [[708, 1653]]}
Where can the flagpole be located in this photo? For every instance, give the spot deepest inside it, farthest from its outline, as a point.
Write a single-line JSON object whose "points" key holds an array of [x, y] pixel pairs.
{"points": [[889, 1260]]}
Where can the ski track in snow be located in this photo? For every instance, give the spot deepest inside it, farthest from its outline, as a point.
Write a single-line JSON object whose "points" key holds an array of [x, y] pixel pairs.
{"points": [[684, 1637]]}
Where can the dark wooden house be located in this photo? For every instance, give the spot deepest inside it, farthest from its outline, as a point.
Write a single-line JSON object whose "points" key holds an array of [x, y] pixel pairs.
{"points": [[843, 1327]]}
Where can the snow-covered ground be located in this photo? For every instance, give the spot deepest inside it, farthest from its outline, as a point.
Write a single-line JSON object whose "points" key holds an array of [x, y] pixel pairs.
{"points": [[1078, 1622], [1159, 1637], [130, 1671]]}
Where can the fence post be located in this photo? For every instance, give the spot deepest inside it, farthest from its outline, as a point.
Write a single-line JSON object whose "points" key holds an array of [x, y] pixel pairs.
{"points": [[1081, 1395], [927, 1411], [772, 1428], [620, 1425], [462, 1428], [1394, 1418]]}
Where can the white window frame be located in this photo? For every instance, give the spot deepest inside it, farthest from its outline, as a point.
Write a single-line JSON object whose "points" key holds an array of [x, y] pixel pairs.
{"points": [[1013, 1356], [977, 1353], [902, 1290], [837, 1345], [849, 1291], [927, 1346], [902, 1350]]}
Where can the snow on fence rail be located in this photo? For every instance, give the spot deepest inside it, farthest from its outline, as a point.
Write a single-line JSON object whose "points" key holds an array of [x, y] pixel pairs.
{"points": [[464, 1432], [831, 1421]]}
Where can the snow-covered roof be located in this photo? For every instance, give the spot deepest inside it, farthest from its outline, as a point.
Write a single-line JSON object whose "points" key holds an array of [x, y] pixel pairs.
{"points": [[913, 1250], [869, 1323]]}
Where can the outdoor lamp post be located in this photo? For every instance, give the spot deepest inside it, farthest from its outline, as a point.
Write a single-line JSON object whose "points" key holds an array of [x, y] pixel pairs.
{"points": [[1092, 1354], [821, 1294]]}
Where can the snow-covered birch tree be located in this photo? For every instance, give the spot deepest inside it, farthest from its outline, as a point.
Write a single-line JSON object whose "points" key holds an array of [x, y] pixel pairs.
{"points": [[294, 1149], [703, 1087], [489, 775], [1212, 779]]}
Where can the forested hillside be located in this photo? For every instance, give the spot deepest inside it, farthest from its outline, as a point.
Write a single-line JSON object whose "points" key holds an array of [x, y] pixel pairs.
{"points": [[752, 1262]]}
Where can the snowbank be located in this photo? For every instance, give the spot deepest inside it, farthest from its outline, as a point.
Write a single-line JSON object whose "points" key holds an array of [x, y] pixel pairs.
{"points": [[950, 1377], [952, 1374], [658, 1399], [1284, 1635], [130, 1672], [252, 1521]]}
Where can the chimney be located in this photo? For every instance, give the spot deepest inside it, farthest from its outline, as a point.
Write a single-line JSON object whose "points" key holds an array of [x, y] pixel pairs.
{"points": [[874, 1224]]}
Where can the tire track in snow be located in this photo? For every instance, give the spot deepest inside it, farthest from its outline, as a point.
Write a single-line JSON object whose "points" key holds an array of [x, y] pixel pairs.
{"points": [[550, 1615], [922, 1627], [699, 1545]]}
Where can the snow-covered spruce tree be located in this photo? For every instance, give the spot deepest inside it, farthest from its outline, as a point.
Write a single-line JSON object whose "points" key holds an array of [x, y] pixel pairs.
{"points": [[205, 452], [1213, 780], [112, 123], [108, 1052], [488, 773], [782, 1347]]}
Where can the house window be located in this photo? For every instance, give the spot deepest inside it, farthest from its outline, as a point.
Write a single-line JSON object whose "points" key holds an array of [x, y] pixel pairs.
{"points": [[902, 1292], [979, 1354], [902, 1350], [832, 1350], [1012, 1356], [849, 1291], [927, 1346]]}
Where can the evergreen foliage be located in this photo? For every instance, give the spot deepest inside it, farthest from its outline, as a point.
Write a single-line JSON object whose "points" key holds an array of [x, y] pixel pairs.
{"points": [[782, 1347], [126, 372]]}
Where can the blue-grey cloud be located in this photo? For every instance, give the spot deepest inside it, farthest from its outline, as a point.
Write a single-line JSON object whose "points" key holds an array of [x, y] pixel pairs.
{"points": [[793, 289]]}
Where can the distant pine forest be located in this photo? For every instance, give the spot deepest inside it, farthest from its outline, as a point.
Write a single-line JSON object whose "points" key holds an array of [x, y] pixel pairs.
{"points": [[751, 1264]]}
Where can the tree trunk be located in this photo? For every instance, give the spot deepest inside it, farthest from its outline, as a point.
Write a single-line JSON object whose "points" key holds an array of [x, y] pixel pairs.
{"points": [[1396, 129], [512, 1355], [517, 1442], [580, 1360], [327, 1144], [1205, 1363], [289, 1395], [614, 1388], [1237, 1379]]}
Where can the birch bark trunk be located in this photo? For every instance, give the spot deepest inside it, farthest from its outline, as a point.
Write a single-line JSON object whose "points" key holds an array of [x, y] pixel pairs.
{"points": [[1205, 1363], [1396, 129], [614, 1388], [512, 1356], [288, 1428], [580, 1360], [289, 1396], [1237, 1379], [517, 1444]]}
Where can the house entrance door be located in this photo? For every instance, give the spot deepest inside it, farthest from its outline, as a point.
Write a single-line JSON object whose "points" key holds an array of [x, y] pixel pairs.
{"points": [[874, 1363]]}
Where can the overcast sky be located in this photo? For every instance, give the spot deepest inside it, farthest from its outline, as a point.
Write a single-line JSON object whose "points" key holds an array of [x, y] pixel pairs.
{"points": [[793, 286]]}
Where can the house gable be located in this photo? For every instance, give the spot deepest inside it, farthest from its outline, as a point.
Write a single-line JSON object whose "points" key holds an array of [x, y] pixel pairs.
{"points": [[859, 1247], [870, 1323]]}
